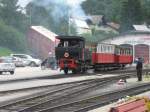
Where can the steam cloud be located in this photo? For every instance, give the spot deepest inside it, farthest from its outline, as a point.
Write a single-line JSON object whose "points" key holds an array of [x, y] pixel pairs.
{"points": [[61, 8]]}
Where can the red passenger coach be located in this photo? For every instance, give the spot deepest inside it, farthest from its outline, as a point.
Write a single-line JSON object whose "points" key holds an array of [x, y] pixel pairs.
{"points": [[108, 55], [105, 54]]}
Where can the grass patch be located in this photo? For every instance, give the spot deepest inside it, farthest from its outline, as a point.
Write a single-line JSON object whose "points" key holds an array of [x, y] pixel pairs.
{"points": [[5, 51]]}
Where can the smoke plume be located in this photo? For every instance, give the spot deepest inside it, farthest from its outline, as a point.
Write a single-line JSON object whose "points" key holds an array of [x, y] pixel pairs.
{"points": [[61, 8]]}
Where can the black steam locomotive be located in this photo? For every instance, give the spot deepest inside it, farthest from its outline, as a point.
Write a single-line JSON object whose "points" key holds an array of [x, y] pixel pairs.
{"points": [[71, 54]]}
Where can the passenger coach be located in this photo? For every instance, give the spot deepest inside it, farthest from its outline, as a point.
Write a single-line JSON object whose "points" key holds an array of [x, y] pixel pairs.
{"points": [[108, 55]]}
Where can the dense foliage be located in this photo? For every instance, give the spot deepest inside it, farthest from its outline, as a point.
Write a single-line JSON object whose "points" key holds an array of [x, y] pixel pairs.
{"points": [[124, 12], [11, 38], [5, 52], [13, 25]]}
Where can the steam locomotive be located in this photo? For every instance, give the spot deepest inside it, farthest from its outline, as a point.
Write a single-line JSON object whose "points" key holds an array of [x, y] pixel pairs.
{"points": [[75, 54]]}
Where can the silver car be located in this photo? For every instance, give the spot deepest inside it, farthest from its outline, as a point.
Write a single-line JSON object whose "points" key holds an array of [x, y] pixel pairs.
{"points": [[18, 62], [28, 60], [7, 65]]}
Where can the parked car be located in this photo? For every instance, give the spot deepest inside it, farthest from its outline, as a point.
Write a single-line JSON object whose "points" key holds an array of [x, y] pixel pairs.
{"points": [[28, 60], [19, 62], [7, 65]]}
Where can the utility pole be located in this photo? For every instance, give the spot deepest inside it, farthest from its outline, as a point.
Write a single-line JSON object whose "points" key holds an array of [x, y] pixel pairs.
{"points": [[30, 15], [68, 22]]}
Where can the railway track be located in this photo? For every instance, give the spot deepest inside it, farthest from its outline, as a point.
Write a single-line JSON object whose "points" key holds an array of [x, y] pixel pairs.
{"points": [[52, 98], [58, 76], [97, 101]]}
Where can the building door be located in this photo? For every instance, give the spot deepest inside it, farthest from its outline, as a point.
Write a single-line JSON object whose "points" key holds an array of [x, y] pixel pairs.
{"points": [[142, 50]]}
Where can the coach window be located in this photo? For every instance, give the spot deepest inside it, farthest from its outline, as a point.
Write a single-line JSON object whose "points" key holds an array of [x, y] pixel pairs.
{"points": [[121, 52], [102, 49], [128, 52], [118, 49], [111, 49], [108, 49]]}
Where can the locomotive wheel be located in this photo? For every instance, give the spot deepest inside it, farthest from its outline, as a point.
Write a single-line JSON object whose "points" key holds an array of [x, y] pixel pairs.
{"points": [[96, 68], [83, 70], [74, 71], [122, 66], [66, 70]]}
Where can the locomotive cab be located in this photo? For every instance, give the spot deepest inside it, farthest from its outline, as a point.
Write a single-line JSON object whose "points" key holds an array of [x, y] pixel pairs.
{"points": [[69, 52]]}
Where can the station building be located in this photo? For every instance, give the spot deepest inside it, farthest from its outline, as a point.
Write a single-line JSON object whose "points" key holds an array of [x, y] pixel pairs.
{"points": [[138, 40], [41, 41]]}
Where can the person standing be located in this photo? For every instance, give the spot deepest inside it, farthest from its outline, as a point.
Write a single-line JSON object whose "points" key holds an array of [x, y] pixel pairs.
{"points": [[139, 67]]}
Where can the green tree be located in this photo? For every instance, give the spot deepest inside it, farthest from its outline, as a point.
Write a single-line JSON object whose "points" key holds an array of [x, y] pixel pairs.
{"points": [[13, 26], [131, 13], [12, 15], [146, 11], [109, 8], [11, 38], [125, 12]]}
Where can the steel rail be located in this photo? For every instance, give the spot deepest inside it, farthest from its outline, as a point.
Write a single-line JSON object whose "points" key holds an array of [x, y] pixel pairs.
{"points": [[81, 89], [59, 99], [45, 93], [97, 101]]}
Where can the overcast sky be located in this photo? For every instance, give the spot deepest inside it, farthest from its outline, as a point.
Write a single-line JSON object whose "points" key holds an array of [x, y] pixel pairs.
{"points": [[70, 2]]}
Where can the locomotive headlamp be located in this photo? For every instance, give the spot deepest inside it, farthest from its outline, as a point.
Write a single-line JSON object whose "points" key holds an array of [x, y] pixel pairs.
{"points": [[66, 55]]}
